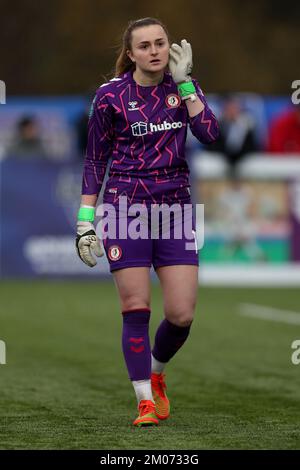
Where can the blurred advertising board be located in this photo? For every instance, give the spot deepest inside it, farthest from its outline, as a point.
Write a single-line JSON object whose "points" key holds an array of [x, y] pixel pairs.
{"points": [[251, 223], [39, 204]]}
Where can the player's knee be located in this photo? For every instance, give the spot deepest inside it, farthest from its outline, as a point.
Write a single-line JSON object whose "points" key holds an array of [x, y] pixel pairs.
{"points": [[184, 321], [183, 317], [134, 303]]}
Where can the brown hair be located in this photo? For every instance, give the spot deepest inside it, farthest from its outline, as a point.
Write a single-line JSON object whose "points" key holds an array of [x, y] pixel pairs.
{"points": [[124, 63]]}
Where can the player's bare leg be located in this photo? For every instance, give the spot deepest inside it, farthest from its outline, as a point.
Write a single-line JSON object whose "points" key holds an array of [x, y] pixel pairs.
{"points": [[133, 285], [180, 285]]}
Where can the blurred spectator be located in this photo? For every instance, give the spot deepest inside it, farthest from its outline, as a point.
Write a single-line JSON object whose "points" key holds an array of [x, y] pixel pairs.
{"points": [[237, 133], [81, 125], [237, 222], [27, 141], [81, 131], [284, 135]]}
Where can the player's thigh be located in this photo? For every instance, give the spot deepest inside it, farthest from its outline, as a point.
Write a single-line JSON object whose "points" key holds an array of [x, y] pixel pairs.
{"points": [[124, 246], [180, 288], [133, 285]]}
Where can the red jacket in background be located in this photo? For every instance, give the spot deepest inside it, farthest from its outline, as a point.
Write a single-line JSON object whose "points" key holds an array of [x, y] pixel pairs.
{"points": [[284, 133]]}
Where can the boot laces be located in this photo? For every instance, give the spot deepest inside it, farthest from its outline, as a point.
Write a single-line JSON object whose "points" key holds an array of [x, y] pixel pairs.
{"points": [[146, 407]]}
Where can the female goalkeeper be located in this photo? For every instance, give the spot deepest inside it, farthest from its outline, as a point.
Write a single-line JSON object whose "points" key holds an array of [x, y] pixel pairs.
{"points": [[140, 119]]}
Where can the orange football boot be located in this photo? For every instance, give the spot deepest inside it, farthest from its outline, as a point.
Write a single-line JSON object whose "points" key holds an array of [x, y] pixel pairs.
{"points": [[162, 404], [147, 416]]}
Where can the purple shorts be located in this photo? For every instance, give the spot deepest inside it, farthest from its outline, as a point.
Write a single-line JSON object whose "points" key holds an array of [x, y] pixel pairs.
{"points": [[151, 241]]}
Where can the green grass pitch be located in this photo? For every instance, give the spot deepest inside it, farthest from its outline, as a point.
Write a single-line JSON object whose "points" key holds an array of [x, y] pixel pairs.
{"points": [[65, 386]]}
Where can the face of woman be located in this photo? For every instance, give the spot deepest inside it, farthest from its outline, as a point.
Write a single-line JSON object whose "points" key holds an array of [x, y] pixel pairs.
{"points": [[149, 48]]}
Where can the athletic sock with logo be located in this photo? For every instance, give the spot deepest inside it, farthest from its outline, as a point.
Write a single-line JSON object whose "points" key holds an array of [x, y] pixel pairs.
{"points": [[137, 351]]}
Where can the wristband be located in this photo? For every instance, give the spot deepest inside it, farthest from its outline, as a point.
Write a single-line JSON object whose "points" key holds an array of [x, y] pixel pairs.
{"points": [[86, 214], [186, 88]]}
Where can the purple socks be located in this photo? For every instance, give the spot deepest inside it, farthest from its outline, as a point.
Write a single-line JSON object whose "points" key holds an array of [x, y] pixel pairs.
{"points": [[168, 339], [136, 343]]}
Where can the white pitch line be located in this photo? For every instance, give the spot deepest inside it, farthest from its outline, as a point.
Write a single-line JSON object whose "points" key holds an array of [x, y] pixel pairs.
{"points": [[269, 313]]}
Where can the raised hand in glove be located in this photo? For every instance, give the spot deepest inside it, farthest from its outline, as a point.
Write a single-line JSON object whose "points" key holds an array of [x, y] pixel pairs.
{"points": [[180, 65]]}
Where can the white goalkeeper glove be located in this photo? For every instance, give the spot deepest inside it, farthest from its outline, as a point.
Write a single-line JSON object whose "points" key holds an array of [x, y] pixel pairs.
{"points": [[180, 65], [87, 242]]}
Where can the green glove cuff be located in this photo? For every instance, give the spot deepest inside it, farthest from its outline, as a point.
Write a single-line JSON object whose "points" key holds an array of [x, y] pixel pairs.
{"points": [[186, 88], [86, 214]]}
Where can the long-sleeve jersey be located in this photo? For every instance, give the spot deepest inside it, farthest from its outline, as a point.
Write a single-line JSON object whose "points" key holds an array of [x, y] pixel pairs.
{"points": [[143, 129]]}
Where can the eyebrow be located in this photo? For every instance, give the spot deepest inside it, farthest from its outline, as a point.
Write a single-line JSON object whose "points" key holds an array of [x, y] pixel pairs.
{"points": [[146, 42]]}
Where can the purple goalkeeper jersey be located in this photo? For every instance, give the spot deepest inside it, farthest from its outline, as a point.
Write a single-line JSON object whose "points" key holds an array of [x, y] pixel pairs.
{"points": [[143, 129]]}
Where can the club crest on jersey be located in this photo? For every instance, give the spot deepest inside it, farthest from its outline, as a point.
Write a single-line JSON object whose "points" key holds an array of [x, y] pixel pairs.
{"points": [[173, 101], [132, 106], [114, 252], [113, 190]]}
